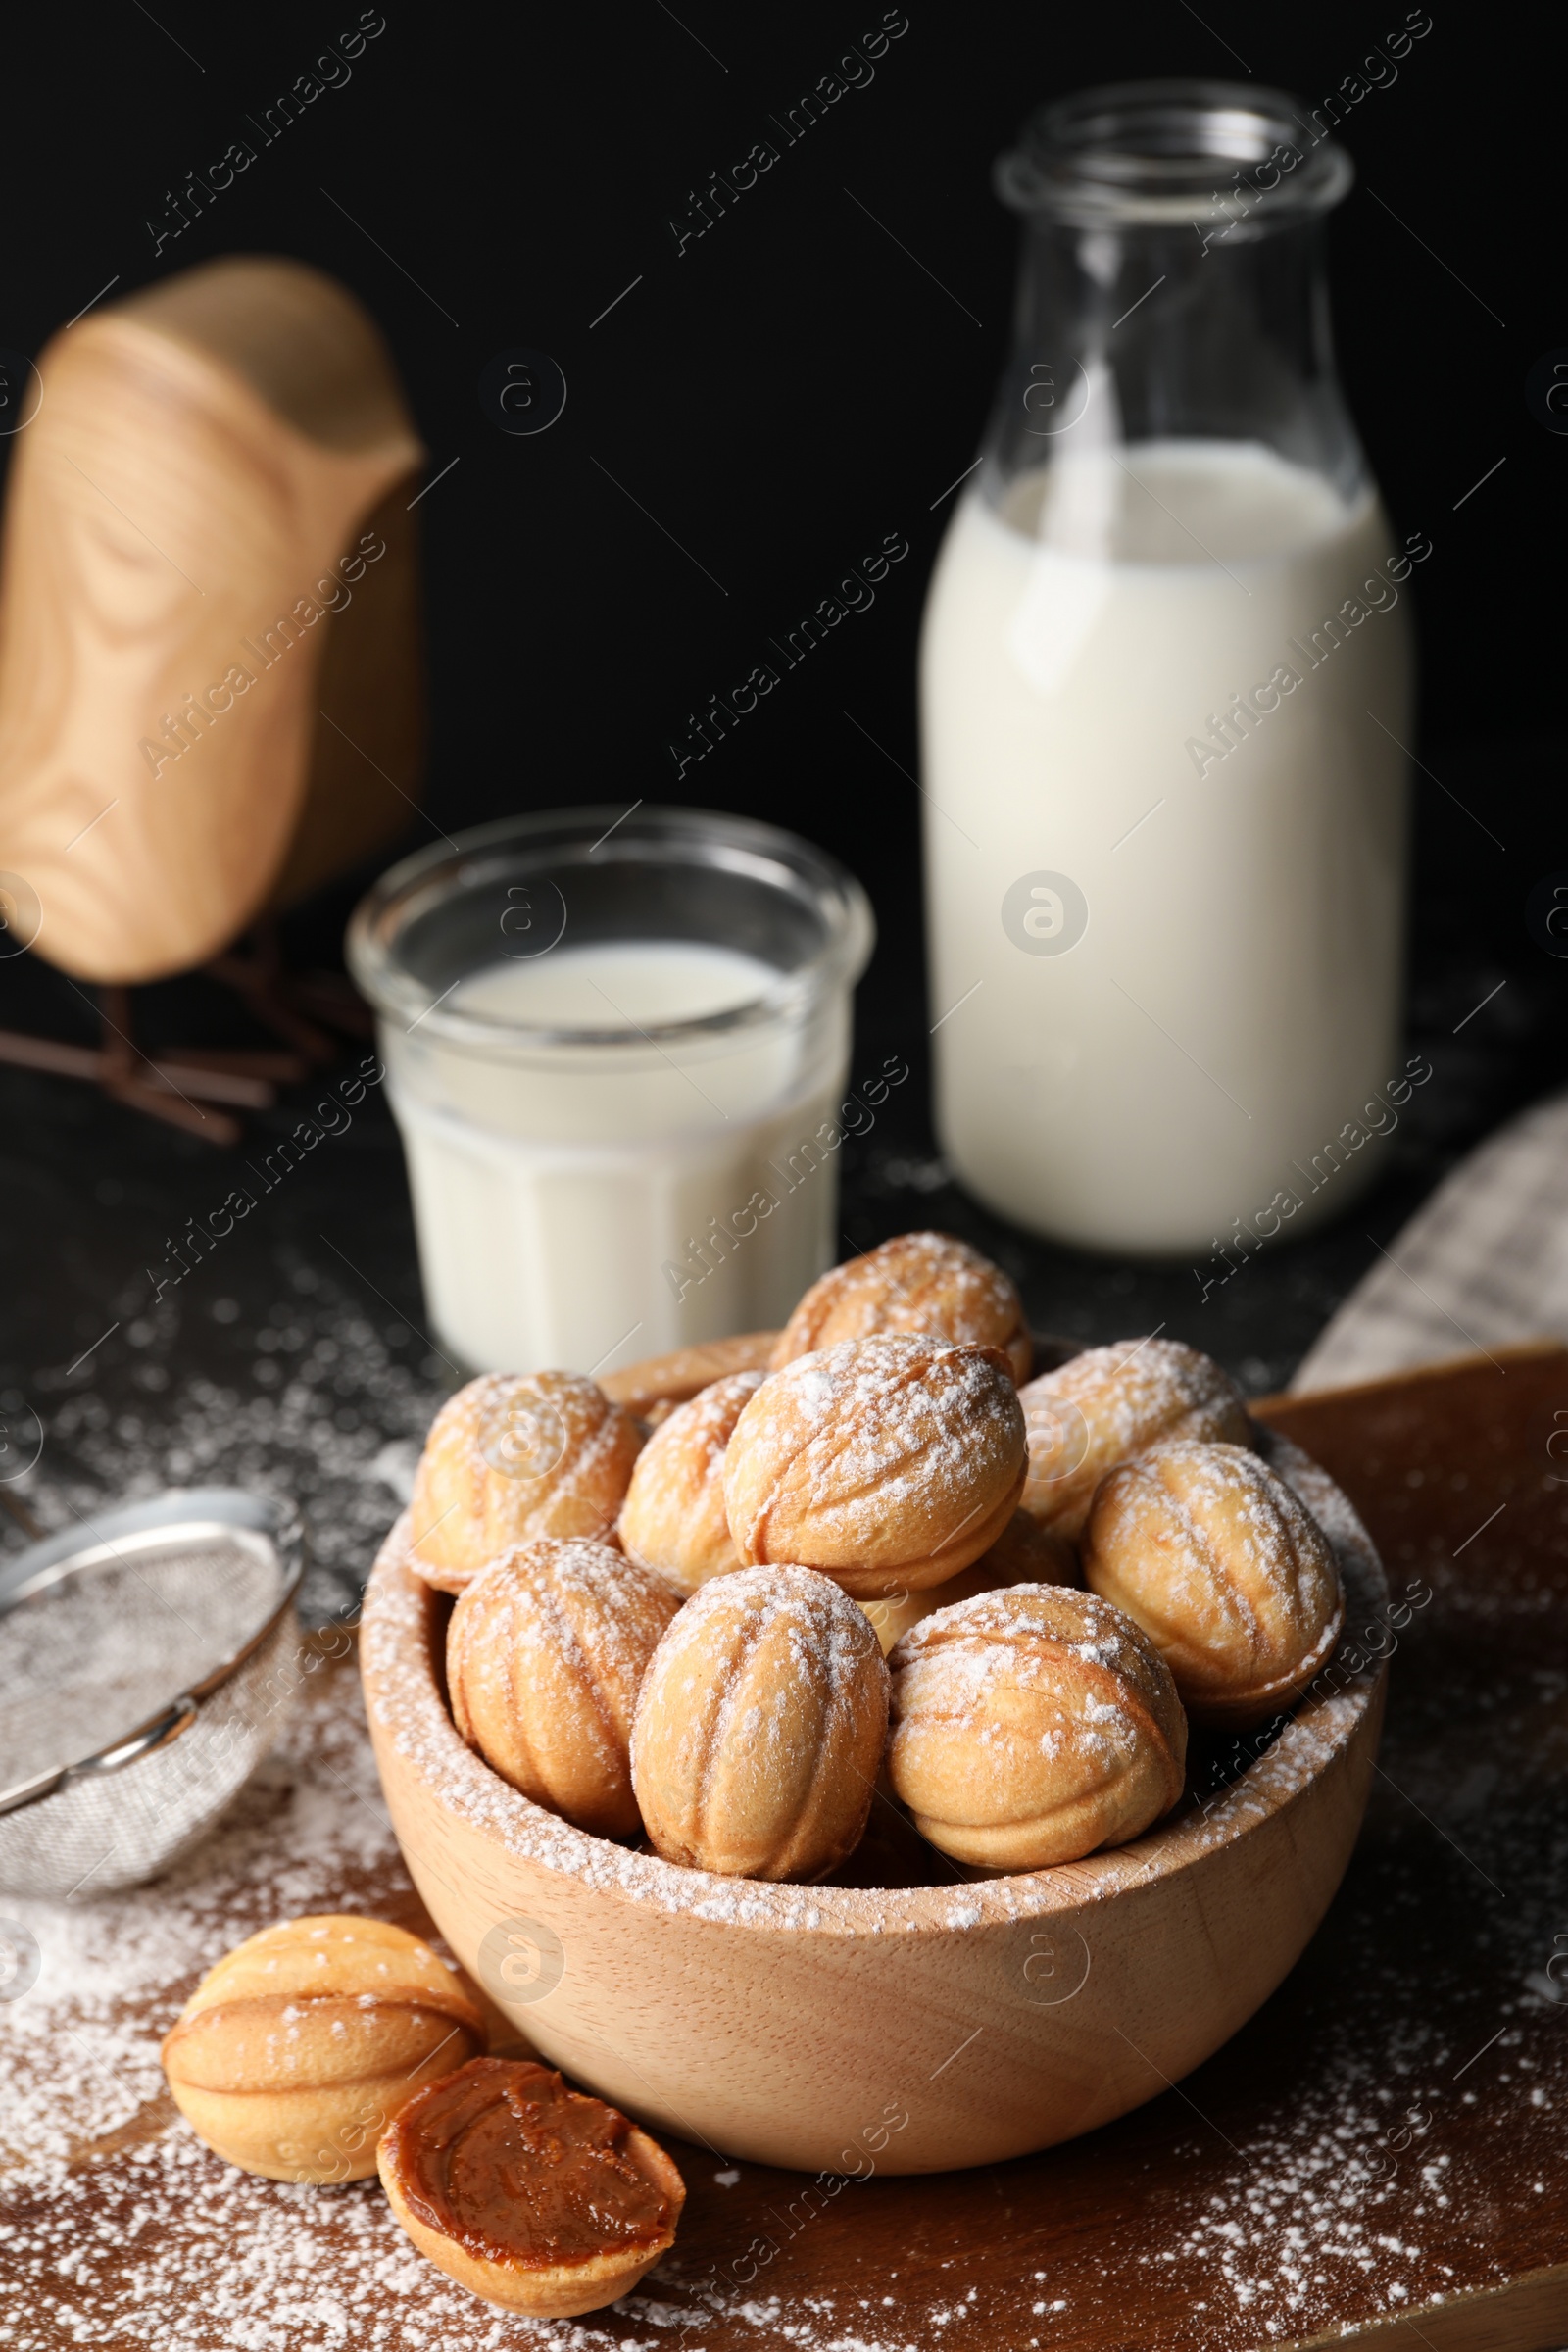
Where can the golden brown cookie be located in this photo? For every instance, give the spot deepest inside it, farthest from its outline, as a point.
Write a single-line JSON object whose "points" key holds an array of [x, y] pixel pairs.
{"points": [[922, 1282], [1031, 1726], [651, 1387], [293, 2052], [545, 1653], [512, 1456], [673, 1518], [889, 1462], [527, 2193], [760, 1727], [1109, 1403], [1226, 1571]]}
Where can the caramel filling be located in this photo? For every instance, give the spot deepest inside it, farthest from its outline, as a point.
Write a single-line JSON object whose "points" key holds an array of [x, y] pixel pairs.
{"points": [[516, 2168]]}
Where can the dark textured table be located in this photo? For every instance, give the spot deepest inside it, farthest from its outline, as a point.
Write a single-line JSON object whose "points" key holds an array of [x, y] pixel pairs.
{"points": [[292, 1356], [294, 1353]]}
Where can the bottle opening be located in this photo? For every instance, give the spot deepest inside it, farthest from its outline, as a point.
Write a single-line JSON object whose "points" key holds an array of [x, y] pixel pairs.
{"points": [[1175, 152]]}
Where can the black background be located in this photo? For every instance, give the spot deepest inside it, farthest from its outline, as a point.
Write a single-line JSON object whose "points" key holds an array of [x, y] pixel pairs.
{"points": [[795, 385]]}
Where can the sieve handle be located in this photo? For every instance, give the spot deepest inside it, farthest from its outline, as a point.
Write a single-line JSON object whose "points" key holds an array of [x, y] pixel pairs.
{"points": [[158, 1732]]}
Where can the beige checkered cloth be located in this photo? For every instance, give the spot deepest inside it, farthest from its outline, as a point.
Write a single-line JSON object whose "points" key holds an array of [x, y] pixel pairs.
{"points": [[1486, 1261]]}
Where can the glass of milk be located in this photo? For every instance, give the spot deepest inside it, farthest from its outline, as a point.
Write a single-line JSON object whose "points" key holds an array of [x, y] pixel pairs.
{"points": [[615, 1047], [1165, 695]]}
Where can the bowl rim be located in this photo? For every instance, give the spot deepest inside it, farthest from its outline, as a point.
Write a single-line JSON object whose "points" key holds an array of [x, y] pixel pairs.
{"points": [[406, 1707]]}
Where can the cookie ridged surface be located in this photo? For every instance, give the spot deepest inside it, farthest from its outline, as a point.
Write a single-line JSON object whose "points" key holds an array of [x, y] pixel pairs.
{"points": [[760, 1727], [1225, 1569], [919, 1282], [513, 1456], [1032, 1725], [545, 1654], [673, 1517], [884, 1462], [295, 2049], [1109, 1403]]}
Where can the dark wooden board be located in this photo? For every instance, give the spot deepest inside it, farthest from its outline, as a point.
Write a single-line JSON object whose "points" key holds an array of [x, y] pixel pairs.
{"points": [[1380, 2154]]}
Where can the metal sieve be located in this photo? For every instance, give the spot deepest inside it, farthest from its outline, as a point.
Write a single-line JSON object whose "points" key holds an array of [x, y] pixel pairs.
{"points": [[148, 1659]]}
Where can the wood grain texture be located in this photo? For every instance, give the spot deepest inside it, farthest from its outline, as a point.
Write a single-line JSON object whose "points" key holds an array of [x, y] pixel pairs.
{"points": [[210, 681], [1266, 2201], [736, 2011]]}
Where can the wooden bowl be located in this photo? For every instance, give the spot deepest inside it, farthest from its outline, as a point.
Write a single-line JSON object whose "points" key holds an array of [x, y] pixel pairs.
{"points": [[847, 2030]]}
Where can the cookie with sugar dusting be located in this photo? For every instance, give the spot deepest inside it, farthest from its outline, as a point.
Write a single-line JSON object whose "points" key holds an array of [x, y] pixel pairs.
{"points": [[761, 1726], [919, 1282], [512, 1457], [1102, 1407], [545, 1652], [1227, 1572], [1031, 1727], [296, 2048], [888, 1463], [672, 1519]]}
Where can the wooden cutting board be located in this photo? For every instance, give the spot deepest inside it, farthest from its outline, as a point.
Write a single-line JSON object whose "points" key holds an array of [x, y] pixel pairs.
{"points": [[1380, 2155]]}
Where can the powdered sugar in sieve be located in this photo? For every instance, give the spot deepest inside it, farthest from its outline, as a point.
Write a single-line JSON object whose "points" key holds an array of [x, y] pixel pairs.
{"points": [[142, 1677]]}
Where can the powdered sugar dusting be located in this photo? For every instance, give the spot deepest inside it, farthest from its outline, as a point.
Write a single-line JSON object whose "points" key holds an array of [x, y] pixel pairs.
{"points": [[82, 2048], [673, 1515], [513, 1456], [173, 2248], [1111, 1403], [411, 1713], [761, 1726], [1211, 1551], [1345, 2194], [918, 1282], [872, 1451]]}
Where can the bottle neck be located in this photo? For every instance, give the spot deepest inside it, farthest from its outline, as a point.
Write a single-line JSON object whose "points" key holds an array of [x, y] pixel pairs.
{"points": [[1172, 332], [1172, 285]]}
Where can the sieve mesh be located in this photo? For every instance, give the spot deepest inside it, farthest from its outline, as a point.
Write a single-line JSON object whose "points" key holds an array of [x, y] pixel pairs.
{"points": [[112, 1639]]}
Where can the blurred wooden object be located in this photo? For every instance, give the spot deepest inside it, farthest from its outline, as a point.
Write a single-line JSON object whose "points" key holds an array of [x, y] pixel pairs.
{"points": [[211, 678]]}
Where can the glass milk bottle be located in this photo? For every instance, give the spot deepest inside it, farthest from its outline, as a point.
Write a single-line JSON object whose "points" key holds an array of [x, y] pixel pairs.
{"points": [[1165, 691]]}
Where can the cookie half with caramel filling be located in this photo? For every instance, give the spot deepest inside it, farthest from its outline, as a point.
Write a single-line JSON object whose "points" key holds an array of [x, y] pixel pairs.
{"points": [[527, 2193]]}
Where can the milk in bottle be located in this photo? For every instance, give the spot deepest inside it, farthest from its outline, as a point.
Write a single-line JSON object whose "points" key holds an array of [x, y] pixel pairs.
{"points": [[1165, 689]]}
